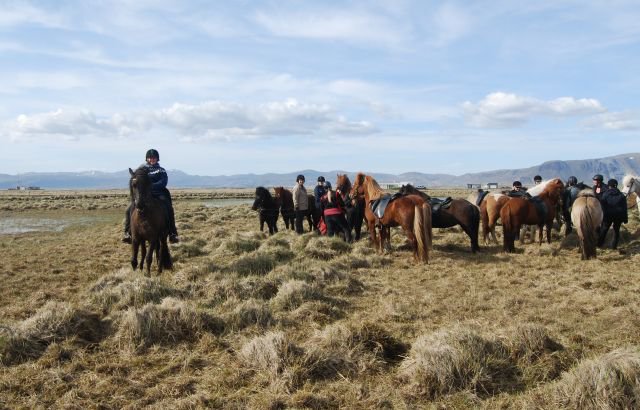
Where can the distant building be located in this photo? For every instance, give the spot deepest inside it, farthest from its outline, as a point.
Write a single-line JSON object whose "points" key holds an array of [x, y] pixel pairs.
{"points": [[392, 185], [492, 185], [25, 188], [474, 186]]}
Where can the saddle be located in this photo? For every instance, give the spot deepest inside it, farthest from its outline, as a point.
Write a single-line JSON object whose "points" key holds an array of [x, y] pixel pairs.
{"points": [[439, 203], [379, 205], [541, 207], [480, 197]]}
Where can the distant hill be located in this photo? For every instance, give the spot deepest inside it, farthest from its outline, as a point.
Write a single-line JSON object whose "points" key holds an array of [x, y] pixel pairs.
{"points": [[611, 167]]}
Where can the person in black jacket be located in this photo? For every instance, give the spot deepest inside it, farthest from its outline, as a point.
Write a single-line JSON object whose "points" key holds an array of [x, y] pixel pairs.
{"points": [[159, 179], [598, 187], [614, 207]]}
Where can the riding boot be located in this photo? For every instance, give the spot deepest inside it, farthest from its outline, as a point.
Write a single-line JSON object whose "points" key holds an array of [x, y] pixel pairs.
{"points": [[126, 238]]}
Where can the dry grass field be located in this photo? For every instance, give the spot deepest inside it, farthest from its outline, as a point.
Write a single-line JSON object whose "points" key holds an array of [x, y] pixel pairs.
{"points": [[245, 320]]}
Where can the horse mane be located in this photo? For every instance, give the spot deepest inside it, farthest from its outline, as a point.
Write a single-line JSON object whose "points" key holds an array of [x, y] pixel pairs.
{"points": [[627, 179], [538, 189], [373, 188], [263, 192], [586, 192], [343, 180]]}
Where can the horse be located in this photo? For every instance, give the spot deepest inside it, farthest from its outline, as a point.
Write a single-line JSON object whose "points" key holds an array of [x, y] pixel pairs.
{"points": [[459, 212], [631, 184], [354, 204], [540, 211], [586, 216], [285, 198], [149, 223], [489, 208], [267, 208], [614, 208], [411, 212]]}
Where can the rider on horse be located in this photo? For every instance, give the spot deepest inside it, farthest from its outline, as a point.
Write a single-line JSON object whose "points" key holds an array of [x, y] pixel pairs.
{"points": [[159, 190]]}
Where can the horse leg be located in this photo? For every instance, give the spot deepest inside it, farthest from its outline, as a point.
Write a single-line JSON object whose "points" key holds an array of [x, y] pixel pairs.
{"points": [[261, 223], [134, 253], [159, 256], [549, 226], [143, 255], [153, 244]]}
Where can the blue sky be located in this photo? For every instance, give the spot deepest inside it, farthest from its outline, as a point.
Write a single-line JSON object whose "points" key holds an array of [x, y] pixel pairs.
{"points": [[278, 86]]}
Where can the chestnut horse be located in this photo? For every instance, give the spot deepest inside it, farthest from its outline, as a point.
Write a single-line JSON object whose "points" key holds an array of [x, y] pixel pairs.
{"points": [[459, 212], [540, 211], [285, 198], [490, 208], [411, 212], [354, 204], [149, 223], [586, 216]]}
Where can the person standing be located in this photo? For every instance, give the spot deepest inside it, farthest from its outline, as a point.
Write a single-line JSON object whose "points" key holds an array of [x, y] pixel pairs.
{"points": [[569, 196], [333, 211], [614, 207], [537, 179], [300, 203], [598, 187], [319, 190]]}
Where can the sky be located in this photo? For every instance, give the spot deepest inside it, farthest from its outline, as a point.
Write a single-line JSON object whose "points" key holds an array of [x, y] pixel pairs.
{"points": [[234, 87]]}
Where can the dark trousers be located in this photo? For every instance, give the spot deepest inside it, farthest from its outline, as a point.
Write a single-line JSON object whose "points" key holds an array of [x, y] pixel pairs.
{"points": [[301, 215], [604, 228], [166, 200], [337, 223]]}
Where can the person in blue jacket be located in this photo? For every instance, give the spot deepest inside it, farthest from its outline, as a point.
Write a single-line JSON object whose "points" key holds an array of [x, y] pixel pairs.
{"points": [[159, 190]]}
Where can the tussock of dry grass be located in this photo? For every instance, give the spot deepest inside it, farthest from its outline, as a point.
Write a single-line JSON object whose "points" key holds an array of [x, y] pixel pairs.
{"points": [[124, 289], [323, 247], [454, 359], [249, 313], [294, 293], [234, 288], [611, 381], [170, 322], [239, 244], [349, 349], [253, 264], [271, 353], [54, 322]]}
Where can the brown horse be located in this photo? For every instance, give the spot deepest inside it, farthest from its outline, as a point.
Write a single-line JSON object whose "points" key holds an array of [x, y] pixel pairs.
{"points": [[285, 198], [586, 217], [539, 210], [149, 223], [459, 212], [410, 212], [354, 204], [490, 207]]}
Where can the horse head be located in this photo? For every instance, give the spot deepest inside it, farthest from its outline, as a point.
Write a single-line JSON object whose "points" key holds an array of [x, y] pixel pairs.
{"points": [[343, 183], [630, 184], [140, 187], [554, 188]]}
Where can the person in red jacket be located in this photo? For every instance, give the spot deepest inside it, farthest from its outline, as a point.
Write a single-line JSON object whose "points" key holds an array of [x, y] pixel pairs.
{"points": [[334, 217]]}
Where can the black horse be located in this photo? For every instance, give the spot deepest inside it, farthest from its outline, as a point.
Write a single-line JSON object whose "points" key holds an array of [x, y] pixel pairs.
{"points": [[457, 212], [354, 205], [267, 208], [149, 223], [614, 208]]}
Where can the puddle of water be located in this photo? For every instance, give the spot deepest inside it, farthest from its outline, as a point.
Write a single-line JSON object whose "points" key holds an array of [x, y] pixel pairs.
{"points": [[218, 203], [12, 226]]}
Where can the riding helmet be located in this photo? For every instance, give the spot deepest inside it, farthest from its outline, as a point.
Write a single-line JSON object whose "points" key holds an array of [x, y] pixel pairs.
{"points": [[598, 177], [320, 178], [537, 178], [152, 153], [572, 180], [517, 183], [612, 183], [300, 178]]}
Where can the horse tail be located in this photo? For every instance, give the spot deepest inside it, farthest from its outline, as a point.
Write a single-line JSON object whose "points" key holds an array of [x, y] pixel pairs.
{"points": [[165, 256], [589, 232], [419, 231], [428, 223], [508, 234], [475, 227]]}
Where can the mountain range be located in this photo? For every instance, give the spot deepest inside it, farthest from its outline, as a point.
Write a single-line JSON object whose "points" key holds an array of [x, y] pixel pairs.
{"points": [[610, 167]]}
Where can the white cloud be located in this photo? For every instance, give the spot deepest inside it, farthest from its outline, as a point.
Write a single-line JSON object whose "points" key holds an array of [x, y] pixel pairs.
{"points": [[504, 110], [349, 26], [211, 120], [615, 121]]}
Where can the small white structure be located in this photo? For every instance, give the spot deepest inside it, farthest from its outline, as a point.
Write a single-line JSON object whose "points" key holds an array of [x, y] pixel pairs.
{"points": [[392, 185], [492, 185], [474, 186]]}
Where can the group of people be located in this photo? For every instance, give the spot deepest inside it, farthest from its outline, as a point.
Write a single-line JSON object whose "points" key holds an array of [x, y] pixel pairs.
{"points": [[329, 202], [332, 205], [614, 203]]}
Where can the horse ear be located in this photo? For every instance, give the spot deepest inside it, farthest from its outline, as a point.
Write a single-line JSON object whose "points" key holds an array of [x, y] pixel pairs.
{"points": [[131, 172]]}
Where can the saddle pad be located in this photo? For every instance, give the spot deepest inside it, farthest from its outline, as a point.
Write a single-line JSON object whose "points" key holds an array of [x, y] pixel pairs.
{"points": [[480, 197], [379, 205]]}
